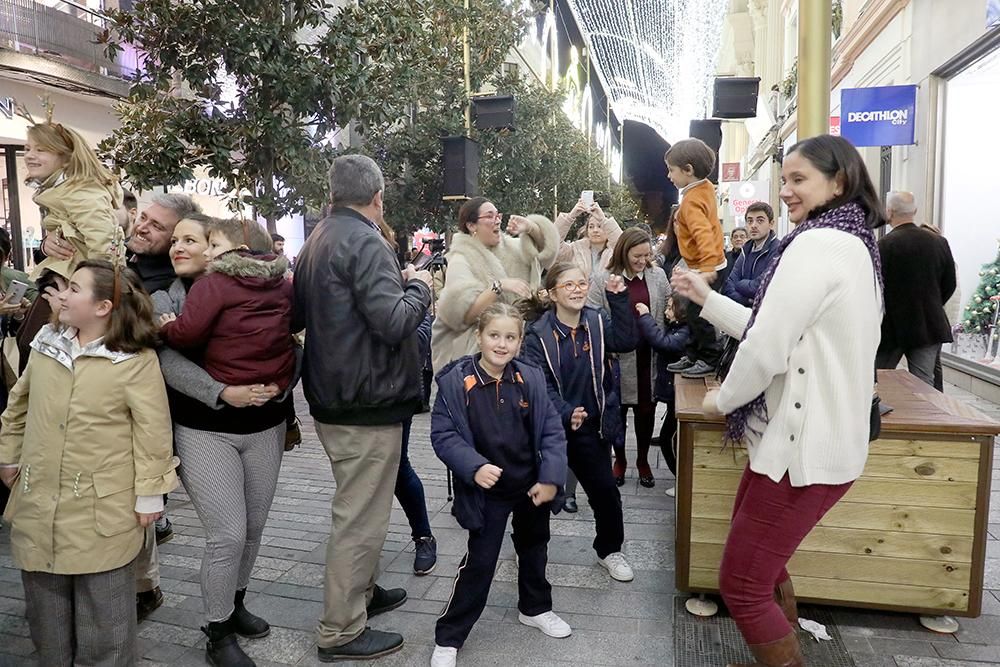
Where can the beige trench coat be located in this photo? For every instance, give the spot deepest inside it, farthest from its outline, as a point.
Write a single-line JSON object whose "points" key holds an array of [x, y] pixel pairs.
{"points": [[89, 436]]}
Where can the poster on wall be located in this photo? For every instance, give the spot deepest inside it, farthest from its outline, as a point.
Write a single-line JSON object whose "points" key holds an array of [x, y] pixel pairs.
{"points": [[880, 116], [741, 195], [992, 13]]}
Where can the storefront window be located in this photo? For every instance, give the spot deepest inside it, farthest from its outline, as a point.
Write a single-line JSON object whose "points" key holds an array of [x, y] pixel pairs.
{"points": [[970, 215]]}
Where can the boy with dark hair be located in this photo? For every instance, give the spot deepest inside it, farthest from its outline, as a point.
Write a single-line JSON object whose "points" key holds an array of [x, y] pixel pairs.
{"points": [[699, 238]]}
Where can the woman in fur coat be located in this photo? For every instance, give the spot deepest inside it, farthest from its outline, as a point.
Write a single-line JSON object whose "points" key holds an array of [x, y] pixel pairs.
{"points": [[486, 265]]}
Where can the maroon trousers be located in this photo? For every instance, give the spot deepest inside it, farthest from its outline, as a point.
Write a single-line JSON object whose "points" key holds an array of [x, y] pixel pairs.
{"points": [[769, 522]]}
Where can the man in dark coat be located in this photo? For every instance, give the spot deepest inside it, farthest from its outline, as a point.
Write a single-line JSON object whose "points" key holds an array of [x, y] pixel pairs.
{"points": [[361, 375], [919, 275], [754, 256]]}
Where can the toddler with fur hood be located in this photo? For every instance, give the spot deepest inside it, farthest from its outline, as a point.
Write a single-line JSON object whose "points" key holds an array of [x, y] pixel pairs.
{"points": [[239, 314]]}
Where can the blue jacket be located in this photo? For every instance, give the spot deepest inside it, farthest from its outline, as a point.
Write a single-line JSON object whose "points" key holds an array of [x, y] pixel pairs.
{"points": [[669, 344], [744, 280], [614, 333], [451, 437]]}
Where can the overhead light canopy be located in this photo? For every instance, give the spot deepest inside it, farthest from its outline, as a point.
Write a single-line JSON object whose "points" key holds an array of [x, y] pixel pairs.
{"points": [[656, 58]]}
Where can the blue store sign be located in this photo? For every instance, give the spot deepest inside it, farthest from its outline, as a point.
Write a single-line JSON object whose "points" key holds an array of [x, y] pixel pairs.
{"points": [[883, 116]]}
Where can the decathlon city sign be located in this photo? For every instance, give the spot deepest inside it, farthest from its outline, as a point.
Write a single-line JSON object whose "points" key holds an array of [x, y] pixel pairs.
{"points": [[883, 116]]}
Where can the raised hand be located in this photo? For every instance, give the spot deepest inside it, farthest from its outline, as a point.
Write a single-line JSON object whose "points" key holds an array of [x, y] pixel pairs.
{"points": [[616, 284]]}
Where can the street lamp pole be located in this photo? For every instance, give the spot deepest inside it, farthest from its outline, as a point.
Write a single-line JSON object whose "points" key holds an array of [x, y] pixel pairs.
{"points": [[815, 28], [467, 66]]}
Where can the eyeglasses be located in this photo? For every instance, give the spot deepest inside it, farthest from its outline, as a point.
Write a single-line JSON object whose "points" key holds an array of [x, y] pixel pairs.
{"points": [[574, 287], [490, 216]]}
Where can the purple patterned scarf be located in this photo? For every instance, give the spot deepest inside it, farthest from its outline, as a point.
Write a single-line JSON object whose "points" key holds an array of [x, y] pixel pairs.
{"points": [[848, 218]]}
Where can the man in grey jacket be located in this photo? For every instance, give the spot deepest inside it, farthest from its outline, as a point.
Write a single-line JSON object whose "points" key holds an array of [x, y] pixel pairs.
{"points": [[361, 375]]}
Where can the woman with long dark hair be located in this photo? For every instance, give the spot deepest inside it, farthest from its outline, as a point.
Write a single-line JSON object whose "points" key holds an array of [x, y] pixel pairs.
{"points": [[798, 393]]}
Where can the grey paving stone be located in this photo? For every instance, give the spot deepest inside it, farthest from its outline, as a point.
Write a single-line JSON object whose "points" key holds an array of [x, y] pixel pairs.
{"points": [[282, 646]]}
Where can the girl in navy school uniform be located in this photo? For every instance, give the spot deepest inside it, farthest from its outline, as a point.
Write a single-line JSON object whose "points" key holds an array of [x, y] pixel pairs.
{"points": [[569, 341], [669, 344], [495, 429]]}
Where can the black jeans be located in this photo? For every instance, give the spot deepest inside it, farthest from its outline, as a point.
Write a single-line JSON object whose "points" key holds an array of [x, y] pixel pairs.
{"points": [[475, 573], [410, 490], [667, 430], [590, 461], [704, 343]]}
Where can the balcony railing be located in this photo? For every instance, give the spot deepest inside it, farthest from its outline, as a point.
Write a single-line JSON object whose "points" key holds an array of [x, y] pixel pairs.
{"points": [[66, 33]]}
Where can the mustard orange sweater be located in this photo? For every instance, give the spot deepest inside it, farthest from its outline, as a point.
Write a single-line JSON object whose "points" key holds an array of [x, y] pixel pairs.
{"points": [[699, 232]]}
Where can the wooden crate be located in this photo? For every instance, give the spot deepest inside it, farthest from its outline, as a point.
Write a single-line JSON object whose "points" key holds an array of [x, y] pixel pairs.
{"points": [[910, 534]]}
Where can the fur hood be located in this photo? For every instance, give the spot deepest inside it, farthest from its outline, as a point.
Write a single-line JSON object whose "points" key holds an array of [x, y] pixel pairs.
{"points": [[241, 264]]}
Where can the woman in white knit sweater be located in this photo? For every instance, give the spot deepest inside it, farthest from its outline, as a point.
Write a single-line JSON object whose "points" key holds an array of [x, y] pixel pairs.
{"points": [[799, 390], [486, 265]]}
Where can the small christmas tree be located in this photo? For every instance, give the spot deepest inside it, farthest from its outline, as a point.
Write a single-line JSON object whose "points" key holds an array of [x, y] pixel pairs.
{"points": [[981, 310]]}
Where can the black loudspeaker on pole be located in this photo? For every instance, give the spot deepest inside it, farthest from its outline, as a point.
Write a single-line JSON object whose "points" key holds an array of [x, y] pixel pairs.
{"points": [[461, 167], [709, 131], [735, 97]]}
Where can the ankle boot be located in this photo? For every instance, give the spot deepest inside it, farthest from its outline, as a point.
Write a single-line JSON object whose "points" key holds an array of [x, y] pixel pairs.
{"points": [[246, 624], [223, 650], [784, 652], [784, 595]]}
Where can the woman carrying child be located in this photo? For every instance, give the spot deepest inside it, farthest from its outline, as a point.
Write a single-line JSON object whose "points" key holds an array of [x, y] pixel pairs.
{"points": [[78, 511], [569, 342], [236, 320], [496, 430]]}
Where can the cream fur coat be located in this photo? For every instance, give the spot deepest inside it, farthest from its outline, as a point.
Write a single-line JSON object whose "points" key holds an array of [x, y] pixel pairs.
{"points": [[472, 268]]}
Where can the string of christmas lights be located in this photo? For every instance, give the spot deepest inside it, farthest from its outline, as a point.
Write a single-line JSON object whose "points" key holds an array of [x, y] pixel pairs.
{"points": [[656, 58]]}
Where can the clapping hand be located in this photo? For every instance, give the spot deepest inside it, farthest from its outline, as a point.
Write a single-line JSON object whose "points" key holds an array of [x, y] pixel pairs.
{"points": [[616, 284], [642, 309], [518, 224], [577, 418]]}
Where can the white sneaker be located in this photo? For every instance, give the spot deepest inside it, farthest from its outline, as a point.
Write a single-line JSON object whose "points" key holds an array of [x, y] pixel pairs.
{"points": [[672, 491], [444, 656], [617, 566], [548, 623]]}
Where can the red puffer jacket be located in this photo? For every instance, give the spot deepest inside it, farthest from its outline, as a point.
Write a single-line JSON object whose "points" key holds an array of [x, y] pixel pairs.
{"points": [[240, 314]]}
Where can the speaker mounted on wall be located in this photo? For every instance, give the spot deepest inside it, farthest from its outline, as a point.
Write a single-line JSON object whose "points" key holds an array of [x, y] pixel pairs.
{"points": [[494, 112], [735, 97], [460, 157], [709, 131]]}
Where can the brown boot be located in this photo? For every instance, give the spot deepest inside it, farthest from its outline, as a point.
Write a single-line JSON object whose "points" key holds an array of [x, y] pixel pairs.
{"points": [[782, 653], [784, 595]]}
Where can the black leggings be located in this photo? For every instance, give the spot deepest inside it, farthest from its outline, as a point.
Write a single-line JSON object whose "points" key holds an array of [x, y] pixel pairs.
{"points": [[644, 419]]}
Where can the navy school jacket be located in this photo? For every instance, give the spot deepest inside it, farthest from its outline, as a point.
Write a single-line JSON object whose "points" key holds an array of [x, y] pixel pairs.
{"points": [[743, 282], [616, 332], [451, 437], [669, 344]]}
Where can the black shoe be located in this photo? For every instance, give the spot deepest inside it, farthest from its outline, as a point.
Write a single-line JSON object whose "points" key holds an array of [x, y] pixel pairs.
{"points": [[369, 645], [166, 533], [246, 624], [569, 505], [385, 600], [147, 602], [222, 649], [293, 436], [426, 556], [680, 365], [699, 370], [620, 481]]}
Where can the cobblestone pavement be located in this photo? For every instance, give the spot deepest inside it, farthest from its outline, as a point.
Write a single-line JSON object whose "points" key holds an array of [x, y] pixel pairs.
{"points": [[613, 623]]}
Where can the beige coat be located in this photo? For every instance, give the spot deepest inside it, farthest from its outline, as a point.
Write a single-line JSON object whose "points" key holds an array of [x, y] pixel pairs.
{"points": [[83, 213], [89, 436], [578, 252], [472, 268]]}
